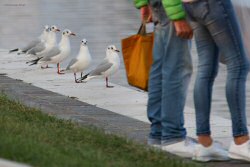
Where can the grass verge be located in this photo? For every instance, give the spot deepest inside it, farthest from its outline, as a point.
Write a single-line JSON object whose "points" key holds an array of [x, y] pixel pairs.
{"points": [[29, 136]]}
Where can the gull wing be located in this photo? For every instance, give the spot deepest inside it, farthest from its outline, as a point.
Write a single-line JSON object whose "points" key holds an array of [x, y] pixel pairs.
{"points": [[38, 48], [50, 54], [104, 66], [30, 45], [73, 61]]}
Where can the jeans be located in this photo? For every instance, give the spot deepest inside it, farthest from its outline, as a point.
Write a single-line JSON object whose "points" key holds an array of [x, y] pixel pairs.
{"points": [[169, 78], [216, 31]]}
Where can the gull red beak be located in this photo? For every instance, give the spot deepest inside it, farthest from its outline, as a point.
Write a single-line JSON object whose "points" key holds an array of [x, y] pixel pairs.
{"points": [[58, 30], [73, 34], [117, 50]]}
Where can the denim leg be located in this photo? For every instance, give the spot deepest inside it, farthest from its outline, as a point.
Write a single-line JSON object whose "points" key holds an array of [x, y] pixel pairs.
{"points": [[154, 89], [207, 71], [226, 34], [223, 28], [169, 79], [176, 73]]}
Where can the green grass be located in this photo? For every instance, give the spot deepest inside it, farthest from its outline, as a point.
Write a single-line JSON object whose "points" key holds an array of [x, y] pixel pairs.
{"points": [[29, 136]]}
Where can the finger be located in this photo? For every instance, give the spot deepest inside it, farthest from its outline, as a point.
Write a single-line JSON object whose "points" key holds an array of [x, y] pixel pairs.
{"points": [[178, 34], [184, 35], [190, 36], [149, 18]]}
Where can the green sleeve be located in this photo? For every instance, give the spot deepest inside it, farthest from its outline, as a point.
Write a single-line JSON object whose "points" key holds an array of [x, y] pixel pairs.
{"points": [[174, 9], [140, 3]]}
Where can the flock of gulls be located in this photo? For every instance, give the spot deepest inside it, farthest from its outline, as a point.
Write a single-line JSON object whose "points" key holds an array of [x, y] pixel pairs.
{"points": [[44, 51]]}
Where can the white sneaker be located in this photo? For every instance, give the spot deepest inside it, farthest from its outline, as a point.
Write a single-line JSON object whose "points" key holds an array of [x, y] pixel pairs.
{"points": [[241, 152], [184, 148], [215, 152]]}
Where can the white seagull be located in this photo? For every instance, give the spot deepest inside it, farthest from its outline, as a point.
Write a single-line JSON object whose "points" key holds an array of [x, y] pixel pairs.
{"points": [[107, 67], [43, 37], [57, 54], [81, 62], [46, 45]]}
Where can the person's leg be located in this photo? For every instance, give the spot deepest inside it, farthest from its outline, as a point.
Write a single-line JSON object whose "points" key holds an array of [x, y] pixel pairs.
{"points": [[207, 70], [207, 150], [223, 27], [176, 73], [155, 80], [154, 89]]}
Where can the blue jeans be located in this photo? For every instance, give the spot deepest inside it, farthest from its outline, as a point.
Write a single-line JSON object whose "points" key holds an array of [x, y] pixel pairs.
{"points": [[216, 30], [169, 79]]}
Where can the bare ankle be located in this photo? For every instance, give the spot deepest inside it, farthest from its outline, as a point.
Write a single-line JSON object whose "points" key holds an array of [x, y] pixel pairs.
{"points": [[205, 140], [241, 139]]}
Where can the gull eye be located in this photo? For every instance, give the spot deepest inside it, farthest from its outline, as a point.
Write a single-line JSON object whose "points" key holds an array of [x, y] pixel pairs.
{"points": [[112, 48], [67, 32]]}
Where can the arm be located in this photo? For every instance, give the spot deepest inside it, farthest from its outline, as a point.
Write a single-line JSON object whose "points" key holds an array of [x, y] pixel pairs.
{"points": [[176, 13], [145, 10], [174, 9], [140, 3]]}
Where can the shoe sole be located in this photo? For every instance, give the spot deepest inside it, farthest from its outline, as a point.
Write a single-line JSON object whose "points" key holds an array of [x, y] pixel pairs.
{"points": [[155, 146], [180, 154], [239, 157], [206, 159]]}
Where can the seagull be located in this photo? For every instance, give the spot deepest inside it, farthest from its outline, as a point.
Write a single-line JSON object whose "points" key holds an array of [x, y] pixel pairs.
{"points": [[45, 46], [43, 37], [81, 62], [57, 54], [107, 67]]}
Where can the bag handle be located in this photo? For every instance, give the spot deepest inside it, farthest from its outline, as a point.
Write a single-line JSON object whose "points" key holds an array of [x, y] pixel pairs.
{"points": [[142, 29]]}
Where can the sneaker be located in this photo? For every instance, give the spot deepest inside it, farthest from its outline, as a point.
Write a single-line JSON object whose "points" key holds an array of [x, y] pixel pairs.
{"points": [[241, 152], [156, 143], [215, 152], [183, 148]]}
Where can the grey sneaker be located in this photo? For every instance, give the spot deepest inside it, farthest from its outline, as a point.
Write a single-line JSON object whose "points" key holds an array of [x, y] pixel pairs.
{"points": [[215, 152], [183, 148]]}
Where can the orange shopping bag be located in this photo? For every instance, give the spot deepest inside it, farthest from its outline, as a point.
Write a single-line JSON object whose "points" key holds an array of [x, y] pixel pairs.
{"points": [[137, 55]]}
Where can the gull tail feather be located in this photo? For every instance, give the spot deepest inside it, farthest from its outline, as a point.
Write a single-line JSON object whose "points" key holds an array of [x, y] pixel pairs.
{"points": [[85, 77], [33, 62], [13, 50]]}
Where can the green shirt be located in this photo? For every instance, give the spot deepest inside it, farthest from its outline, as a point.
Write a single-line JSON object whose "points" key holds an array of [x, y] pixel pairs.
{"points": [[173, 8]]}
